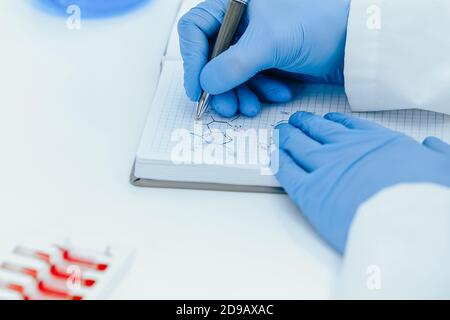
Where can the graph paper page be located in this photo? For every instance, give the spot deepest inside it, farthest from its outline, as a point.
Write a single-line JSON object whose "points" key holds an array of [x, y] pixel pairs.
{"points": [[172, 110]]}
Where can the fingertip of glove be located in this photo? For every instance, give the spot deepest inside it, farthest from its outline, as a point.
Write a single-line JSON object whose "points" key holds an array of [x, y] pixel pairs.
{"points": [[300, 116], [249, 105], [278, 94], [192, 94], [224, 107], [224, 112], [284, 94], [252, 113], [282, 125], [333, 115], [207, 81]]}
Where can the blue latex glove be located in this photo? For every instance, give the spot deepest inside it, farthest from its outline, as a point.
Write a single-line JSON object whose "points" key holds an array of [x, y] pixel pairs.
{"points": [[329, 166], [304, 38], [92, 8]]}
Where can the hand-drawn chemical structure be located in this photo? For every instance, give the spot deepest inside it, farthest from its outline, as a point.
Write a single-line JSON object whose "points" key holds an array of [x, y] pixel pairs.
{"points": [[216, 130]]}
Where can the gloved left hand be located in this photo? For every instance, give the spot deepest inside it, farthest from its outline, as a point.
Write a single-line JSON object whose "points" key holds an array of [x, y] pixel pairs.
{"points": [[329, 166]]}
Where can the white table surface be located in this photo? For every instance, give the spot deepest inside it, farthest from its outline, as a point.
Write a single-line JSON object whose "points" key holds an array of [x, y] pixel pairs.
{"points": [[73, 105]]}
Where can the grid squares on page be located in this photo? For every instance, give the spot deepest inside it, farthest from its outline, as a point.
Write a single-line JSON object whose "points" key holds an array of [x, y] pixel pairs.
{"points": [[177, 112]]}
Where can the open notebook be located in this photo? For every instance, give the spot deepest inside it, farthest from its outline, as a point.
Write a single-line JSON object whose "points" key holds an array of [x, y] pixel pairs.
{"points": [[233, 154]]}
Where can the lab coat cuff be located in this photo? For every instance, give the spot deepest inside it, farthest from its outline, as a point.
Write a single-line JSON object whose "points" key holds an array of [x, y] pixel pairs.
{"points": [[402, 228], [362, 56], [403, 200]]}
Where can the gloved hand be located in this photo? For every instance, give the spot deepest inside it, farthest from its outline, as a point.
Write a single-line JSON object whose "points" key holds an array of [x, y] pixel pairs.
{"points": [[329, 166], [301, 37]]}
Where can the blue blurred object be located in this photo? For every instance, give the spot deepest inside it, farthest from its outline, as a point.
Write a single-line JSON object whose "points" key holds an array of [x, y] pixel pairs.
{"points": [[330, 166], [91, 8]]}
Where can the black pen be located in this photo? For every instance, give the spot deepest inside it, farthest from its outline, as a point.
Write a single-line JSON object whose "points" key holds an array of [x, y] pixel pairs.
{"points": [[230, 25]]}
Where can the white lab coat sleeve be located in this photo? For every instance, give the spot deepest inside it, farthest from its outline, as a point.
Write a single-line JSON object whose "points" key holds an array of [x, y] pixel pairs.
{"points": [[399, 246], [398, 55]]}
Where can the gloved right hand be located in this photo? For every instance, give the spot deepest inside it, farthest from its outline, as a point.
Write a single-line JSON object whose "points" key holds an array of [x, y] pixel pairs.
{"points": [[305, 38]]}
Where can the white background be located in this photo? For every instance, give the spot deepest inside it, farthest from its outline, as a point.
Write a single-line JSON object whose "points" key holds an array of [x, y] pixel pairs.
{"points": [[73, 105]]}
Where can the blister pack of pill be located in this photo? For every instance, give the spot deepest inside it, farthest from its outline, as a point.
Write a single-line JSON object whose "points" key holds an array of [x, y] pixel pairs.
{"points": [[62, 269]]}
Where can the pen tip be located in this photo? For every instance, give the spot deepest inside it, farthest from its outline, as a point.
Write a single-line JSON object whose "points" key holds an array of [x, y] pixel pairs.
{"points": [[202, 105], [200, 109]]}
